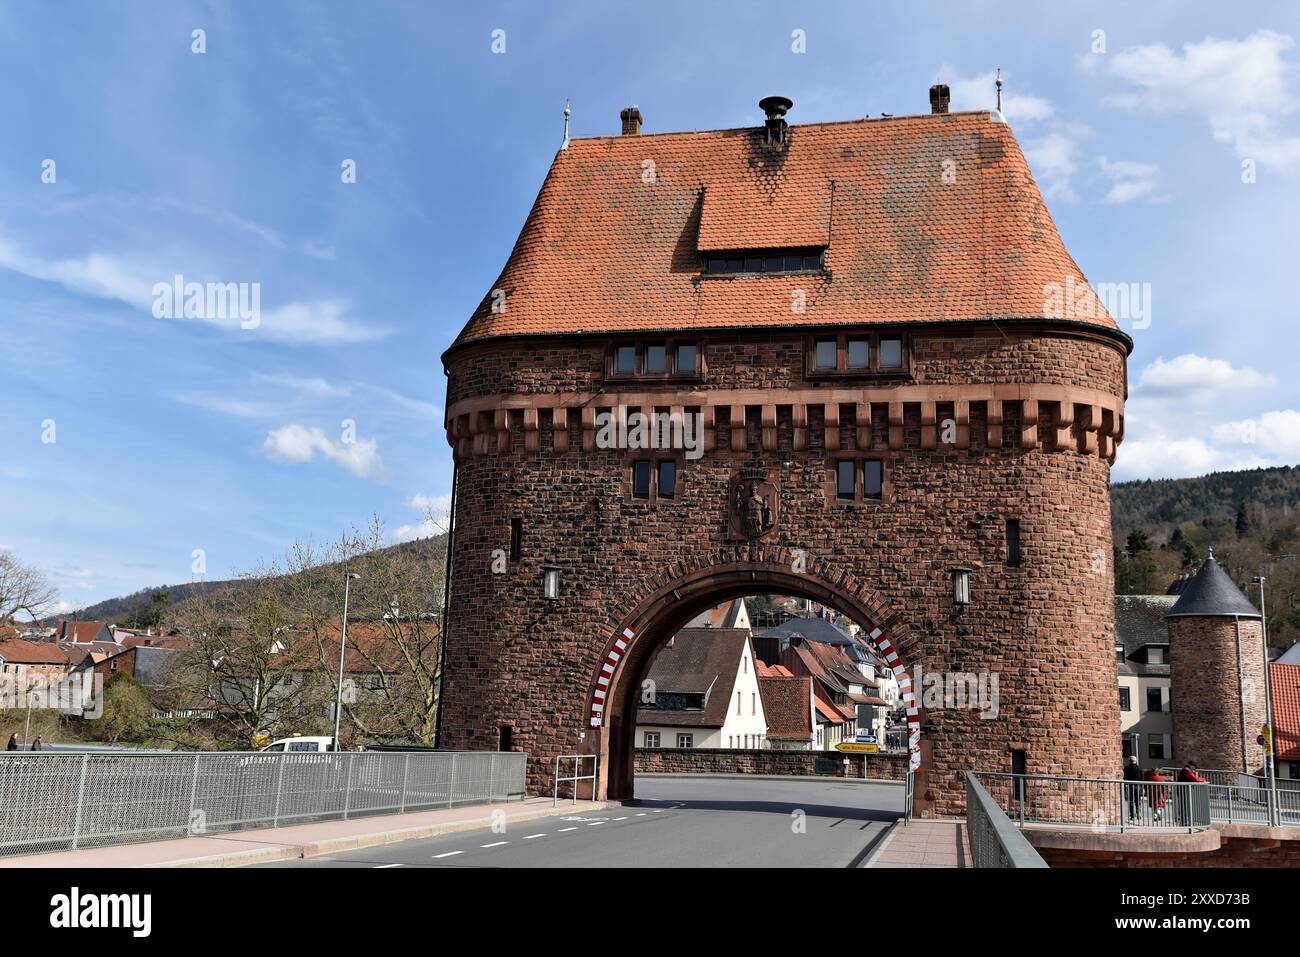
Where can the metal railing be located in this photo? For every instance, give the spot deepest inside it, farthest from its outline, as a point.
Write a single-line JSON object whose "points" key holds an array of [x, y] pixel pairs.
{"points": [[65, 801], [1098, 803], [579, 763], [994, 841]]}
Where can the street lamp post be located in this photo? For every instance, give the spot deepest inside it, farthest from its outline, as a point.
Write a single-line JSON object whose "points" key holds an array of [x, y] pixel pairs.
{"points": [[1268, 707], [343, 644]]}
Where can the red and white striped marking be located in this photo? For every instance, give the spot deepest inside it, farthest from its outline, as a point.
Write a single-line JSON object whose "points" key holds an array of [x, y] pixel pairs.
{"points": [[606, 673], [909, 699]]}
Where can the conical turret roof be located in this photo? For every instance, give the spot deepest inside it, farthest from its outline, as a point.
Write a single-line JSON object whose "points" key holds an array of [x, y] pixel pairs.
{"points": [[1209, 593]]}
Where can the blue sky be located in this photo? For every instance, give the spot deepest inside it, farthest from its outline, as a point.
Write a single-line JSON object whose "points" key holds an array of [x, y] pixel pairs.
{"points": [[176, 434]]}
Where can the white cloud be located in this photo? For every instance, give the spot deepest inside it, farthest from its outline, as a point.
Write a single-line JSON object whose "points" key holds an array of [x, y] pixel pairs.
{"points": [[1242, 88], [1164, 456], [131, 281], [1054, 159], [1190, 373], [313, 387], [1129, 180], [434, 508], [295, 444], [1275, 434], [980, 93]]}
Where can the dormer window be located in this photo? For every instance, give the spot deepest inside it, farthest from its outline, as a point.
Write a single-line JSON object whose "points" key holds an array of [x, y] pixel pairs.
{"points": [[755, 262]]}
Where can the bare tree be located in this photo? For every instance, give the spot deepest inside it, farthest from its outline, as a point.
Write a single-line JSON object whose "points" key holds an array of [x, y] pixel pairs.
{"points": [[393, 660], [248, 663], [23, 589]]}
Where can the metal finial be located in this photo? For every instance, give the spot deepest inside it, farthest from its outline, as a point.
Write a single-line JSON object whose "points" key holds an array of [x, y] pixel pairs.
{"points": [[1209, 554], [567, 111], [998, 83]]}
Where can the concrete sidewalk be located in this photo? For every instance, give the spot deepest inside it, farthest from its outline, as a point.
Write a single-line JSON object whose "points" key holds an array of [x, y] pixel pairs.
{"points": [[933, 843], [237, 848]]}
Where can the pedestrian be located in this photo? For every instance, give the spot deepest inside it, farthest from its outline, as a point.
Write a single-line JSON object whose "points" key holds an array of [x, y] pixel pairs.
{"points": [[13, 742], [1157, 794], [1189, 775], [1132, 792], [36, 745]]}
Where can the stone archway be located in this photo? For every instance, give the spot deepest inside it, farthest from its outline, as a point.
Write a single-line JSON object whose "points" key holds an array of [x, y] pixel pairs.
{"points": [[686, 590]]}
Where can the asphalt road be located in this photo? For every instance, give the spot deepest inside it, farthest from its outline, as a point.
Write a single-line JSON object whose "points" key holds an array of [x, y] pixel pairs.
{"points": [[677, 822]]}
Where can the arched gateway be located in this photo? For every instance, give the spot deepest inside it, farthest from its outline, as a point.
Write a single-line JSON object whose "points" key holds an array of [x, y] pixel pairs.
{"points": [[851, 361]]}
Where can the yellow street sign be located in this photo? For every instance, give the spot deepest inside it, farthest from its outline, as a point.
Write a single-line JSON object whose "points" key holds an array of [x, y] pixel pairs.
{"points": [[852, 747]]}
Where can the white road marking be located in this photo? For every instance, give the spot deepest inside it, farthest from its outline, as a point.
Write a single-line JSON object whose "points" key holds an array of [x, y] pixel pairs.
{"points": [[380, 867], [493, 844], [448, 854], [531, 836], [563, 829], [642, 814], [623, 818], [594, 823]]}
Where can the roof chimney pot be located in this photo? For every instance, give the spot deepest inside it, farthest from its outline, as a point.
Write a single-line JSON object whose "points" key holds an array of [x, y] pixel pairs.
{"points": [[775, 108], [939, 98], [631, 118]]}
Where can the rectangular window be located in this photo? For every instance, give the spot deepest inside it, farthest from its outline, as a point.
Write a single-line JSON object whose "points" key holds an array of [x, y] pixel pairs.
{"points": [[872, 479], [667, 479], [641, 479], [1154, 700], [891, 353], [1013, 542], [651, 739], [753, 702], [625, 360], [1293, 770], [686, 741], [656, 359], [1125, 702], [859, 353], [1156, 747], [845, 487], [505, 738], [737, 702], [753, 264], [686, 358], [825, 356], [516, 538]]}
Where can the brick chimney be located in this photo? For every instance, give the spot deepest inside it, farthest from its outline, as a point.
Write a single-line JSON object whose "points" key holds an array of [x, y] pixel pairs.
{"points": [[631, 118], [939, 98]]}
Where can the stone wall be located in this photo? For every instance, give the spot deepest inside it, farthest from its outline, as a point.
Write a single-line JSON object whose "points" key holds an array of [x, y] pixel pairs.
{"points": [[1206, 692], [1045, 628], [883, 767]]}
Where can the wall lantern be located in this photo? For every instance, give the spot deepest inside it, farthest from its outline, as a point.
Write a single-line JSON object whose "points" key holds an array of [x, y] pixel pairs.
{"points": [[551, 582], [961, 586]]}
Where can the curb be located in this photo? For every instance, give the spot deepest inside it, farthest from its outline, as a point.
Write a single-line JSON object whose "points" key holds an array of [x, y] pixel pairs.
{"points": [[289, 852]]}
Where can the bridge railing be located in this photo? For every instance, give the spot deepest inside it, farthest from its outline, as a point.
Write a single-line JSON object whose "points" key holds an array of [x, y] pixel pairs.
{"points": [[64, 801], [994, 841], [1099, 804]]}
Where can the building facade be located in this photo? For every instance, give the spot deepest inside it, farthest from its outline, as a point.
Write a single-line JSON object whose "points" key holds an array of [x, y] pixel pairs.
{"points": [[882, 376]]}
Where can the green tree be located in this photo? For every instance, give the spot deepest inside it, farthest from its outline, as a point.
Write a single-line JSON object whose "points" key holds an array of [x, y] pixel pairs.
{"points": [[126, 710]]}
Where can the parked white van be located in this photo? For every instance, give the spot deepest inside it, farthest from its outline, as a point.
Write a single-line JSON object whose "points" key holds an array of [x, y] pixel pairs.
{"points": [[301, 743]]}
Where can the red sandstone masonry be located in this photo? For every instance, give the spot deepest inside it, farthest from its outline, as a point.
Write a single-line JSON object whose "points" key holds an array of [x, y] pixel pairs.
{"points": [[881, 767], [1045, 628]]}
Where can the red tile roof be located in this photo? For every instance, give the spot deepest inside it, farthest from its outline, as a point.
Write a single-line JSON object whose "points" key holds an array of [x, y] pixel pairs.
{"points": [[699, 661], [20, 651], [1286, 709], [604, 250]]}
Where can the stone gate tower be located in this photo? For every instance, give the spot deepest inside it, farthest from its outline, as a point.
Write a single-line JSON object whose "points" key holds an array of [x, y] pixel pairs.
{"points": [[882, 382], [1216, 673]]}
